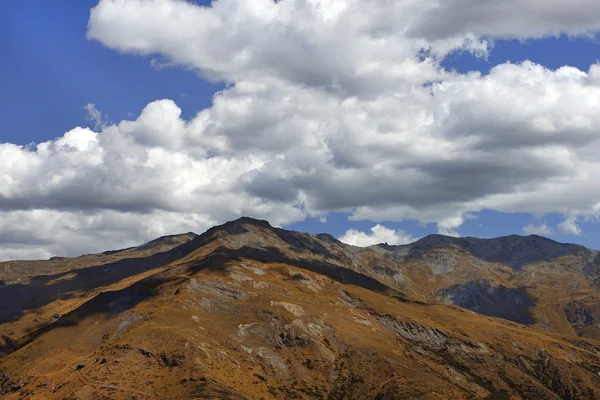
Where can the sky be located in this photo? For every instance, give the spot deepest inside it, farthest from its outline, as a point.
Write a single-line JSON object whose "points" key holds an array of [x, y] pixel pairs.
{"points": [[375, 121]]}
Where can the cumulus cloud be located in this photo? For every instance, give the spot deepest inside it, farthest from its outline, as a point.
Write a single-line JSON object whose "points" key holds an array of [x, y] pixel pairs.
{"points": [[542, 230], [131, 182], [337, 105], [379, 234], [440, 19], [569, 226]]}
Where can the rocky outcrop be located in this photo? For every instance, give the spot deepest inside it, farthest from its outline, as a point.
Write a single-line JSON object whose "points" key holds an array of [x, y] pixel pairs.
{"points": [[579, 315], [430, 337]]}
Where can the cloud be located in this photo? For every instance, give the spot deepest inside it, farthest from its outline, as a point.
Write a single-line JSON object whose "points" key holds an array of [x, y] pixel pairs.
{"points": [[379, 234], [569, 226], [542, 229], [95, 116], [330, 106], [351, 45], [42, 233], [528, 19]]}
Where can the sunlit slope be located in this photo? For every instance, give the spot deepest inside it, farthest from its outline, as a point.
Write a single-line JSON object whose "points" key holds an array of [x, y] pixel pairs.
{"points": [[251, 311]]}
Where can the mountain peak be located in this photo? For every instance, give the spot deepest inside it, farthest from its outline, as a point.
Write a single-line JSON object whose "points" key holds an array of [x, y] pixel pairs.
{"points": [[250, 221], [245, 222], [437, 239], [237, 227], [512, 250]]}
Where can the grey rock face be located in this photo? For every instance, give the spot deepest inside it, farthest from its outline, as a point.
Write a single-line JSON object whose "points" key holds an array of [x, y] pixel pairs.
{"points": [[216, 287], [443, 263]]}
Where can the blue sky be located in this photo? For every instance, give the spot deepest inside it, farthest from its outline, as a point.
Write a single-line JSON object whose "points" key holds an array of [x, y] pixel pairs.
{"points": [[51, 71]]}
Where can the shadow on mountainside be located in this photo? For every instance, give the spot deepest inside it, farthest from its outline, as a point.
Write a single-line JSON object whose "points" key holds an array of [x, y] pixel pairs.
{"points": [[106, 303], [114, 302], [8, 345], [273, 255], [514, 251], [494, 301], [44, 289]]}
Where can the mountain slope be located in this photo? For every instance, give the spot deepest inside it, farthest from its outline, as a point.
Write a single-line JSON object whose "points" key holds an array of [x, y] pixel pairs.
{"points": [[532, 280], [36, 293], [251, 311]]}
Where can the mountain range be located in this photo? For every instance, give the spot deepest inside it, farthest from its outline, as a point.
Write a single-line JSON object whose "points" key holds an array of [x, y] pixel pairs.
{"points": [[250, 311]]}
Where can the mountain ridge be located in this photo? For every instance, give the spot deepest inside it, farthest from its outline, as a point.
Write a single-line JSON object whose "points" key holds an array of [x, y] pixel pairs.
{"points": [[426, 241], [248, 310], [429, 237], [398, 267]]}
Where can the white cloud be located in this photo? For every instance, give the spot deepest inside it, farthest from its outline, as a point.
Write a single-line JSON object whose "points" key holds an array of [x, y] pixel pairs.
{"points": [[379, 234], [95, 116], [542, 230], [330, 106], [569, 226], [38, 233], [527, 18]]}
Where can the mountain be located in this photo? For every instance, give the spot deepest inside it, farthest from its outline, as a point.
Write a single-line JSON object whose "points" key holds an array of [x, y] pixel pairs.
{"points": [[532, 280], [249, 311]]}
